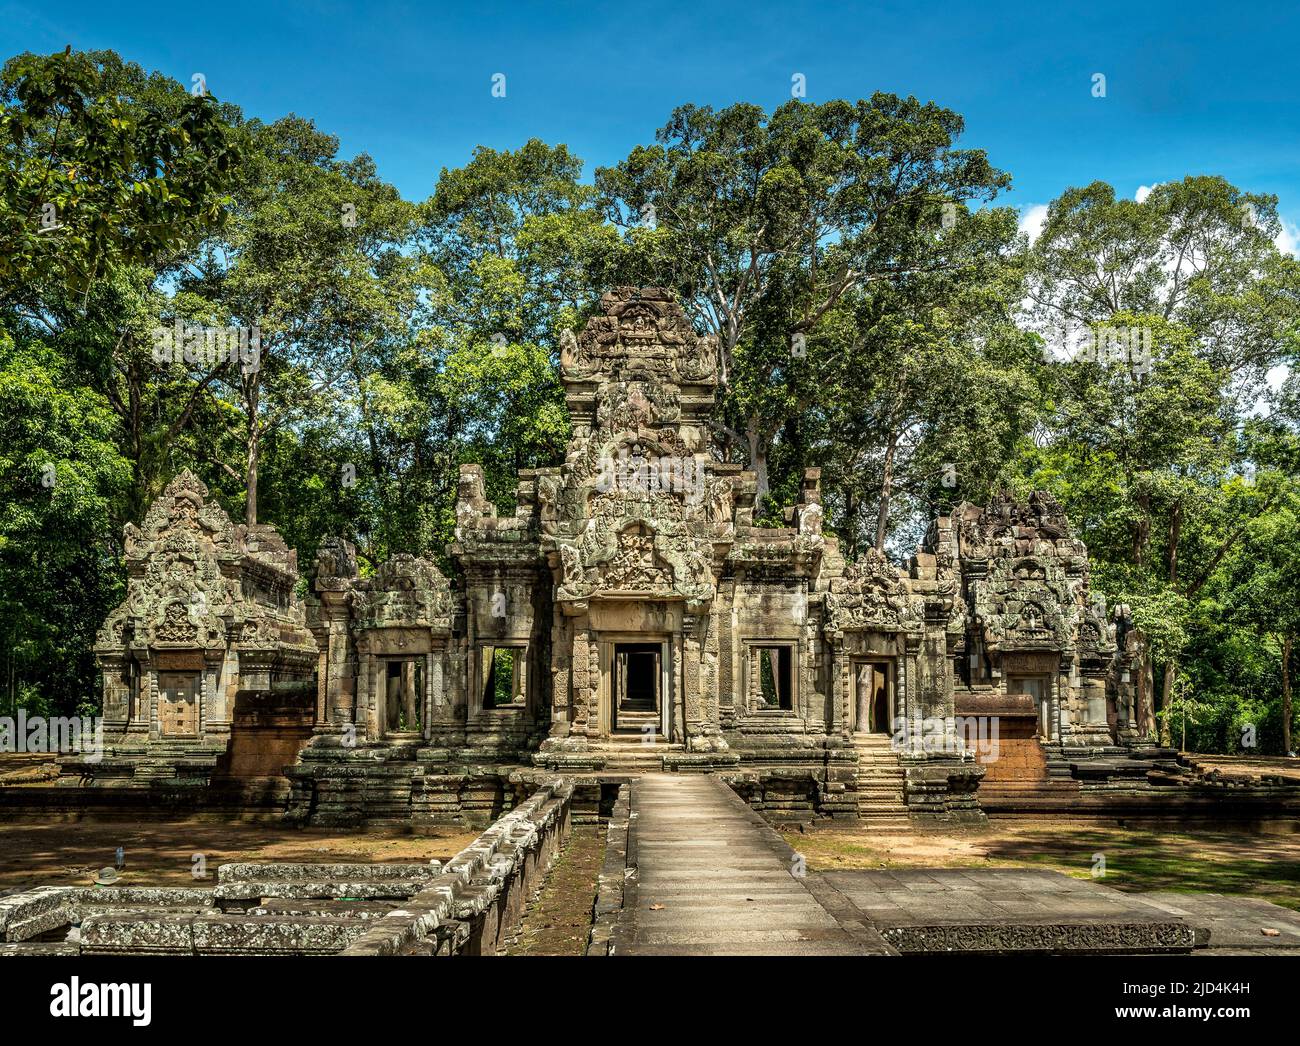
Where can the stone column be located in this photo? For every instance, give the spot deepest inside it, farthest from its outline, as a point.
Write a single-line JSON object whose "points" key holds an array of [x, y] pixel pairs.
{"points": [[144, 717], [841, 682], [117, 691], [585, 688], [427, 698], [691, 676], [912, 705], [561, 670], [1059, 722]]}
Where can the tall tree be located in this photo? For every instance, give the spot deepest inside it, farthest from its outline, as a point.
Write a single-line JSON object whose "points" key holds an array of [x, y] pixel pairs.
{"points": [[93, 178], [765, 223], [1202, 305], [312, 268]]}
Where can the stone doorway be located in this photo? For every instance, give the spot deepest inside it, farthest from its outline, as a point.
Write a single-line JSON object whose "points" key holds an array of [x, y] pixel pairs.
{"points": [[1039, 688], [635, 686], [873, 697], [178, 705]]}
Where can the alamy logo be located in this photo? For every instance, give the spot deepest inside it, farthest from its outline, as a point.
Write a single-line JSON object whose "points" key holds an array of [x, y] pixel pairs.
{"points": [[208, 346], [977, 735], [92, 999], [53, 735]]}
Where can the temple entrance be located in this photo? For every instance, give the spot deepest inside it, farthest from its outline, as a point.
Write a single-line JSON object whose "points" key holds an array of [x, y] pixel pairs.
{"points": [[178, 705], [635, 686], [872, 697], [1039, 688], [404, 686]]}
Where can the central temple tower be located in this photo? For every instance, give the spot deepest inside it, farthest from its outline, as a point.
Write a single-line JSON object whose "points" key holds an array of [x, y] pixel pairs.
{"points": [[636, 526]]}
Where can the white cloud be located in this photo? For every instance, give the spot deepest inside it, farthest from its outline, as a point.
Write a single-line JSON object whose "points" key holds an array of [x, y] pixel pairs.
{"points": [[1143, 192], [1031, 221]]}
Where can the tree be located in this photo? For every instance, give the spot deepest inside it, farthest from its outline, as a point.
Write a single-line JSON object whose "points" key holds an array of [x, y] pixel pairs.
{"points": [[313, 269], [1143, 447], [525, 253], [763, 224], [60, 476], [94, 179]]}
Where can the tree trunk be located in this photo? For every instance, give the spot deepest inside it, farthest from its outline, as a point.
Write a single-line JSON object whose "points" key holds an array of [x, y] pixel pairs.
{"points": [[851, 525], [886, 494], [1142, 532], [1287, 641], [1146, 718], [1171, 666], [758, 462], [1166, 695], [252, 390]]}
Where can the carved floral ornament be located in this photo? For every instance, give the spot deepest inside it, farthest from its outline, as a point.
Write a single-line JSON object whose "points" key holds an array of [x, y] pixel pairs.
{"points": [[871, 595]]}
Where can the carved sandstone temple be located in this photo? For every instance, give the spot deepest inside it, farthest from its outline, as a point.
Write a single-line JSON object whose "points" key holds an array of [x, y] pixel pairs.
{"points": [[628, 615]]}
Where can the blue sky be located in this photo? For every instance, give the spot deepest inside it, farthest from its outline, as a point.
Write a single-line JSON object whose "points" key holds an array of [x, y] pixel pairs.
{"points": [[1190, 87]]}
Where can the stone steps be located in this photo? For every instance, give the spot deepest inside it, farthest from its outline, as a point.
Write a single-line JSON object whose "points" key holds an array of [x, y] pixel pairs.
{"points": [[881, 782]]}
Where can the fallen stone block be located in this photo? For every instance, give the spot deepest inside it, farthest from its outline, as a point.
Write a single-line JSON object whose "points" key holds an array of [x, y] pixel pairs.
{"points": [[274, 934], [33, 912], [136, 933]]}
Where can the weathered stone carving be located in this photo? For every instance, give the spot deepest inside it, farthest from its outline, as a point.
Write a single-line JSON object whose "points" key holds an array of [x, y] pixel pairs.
{"points": [[209, 615], [872, 594], [629, 590], [639, 329], [404, 590]]}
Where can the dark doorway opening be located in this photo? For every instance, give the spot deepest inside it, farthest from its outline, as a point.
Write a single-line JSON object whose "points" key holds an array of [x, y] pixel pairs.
{"points": [[635, 685], [872, 684]]}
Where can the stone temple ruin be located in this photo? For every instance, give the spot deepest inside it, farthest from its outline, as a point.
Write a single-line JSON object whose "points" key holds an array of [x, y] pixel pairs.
{"points": [[627, 616]]}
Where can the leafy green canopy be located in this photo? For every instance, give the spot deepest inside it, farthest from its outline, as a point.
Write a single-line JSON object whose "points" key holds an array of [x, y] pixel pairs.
{"points": [[876, 315]]}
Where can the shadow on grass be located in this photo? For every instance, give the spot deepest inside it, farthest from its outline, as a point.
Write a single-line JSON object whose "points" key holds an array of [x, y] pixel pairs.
{"points": [[1227, 862]]}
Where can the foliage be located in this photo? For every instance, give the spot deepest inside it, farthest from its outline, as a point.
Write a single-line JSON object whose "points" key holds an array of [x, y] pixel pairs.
{"points": [[876, 315]]}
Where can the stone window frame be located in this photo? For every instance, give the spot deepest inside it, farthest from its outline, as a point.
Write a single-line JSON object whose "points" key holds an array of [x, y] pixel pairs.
{"points": [[748, 665], [421, 662], [523, 649]]}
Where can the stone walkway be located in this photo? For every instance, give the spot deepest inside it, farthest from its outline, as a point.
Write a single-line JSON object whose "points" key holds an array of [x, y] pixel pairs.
{"points": [[707, 876], [704, 874]]}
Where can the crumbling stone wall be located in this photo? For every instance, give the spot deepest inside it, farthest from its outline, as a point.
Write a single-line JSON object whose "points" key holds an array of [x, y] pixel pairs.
{"points": [[469, 906]]}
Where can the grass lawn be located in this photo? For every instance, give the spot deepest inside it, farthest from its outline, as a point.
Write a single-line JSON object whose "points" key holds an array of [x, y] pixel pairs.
{"points": [[1215, 860]]}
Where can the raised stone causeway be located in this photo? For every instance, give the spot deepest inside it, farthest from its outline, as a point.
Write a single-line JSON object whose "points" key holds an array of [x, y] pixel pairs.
{"points": [[707, 876]]}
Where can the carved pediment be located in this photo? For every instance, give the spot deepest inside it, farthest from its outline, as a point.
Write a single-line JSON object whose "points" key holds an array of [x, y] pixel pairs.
{"points": [[634, 557], [638, 330], [405, 590], [193, 577], [871, 596]]}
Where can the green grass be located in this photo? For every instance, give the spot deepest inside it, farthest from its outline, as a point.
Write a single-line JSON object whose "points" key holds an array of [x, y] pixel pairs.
{"points": [[1220, 861]]}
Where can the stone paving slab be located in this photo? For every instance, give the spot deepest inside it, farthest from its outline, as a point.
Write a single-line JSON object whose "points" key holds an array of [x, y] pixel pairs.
{"points": [[1236, 925], [1011, 910], [709, 877]]}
